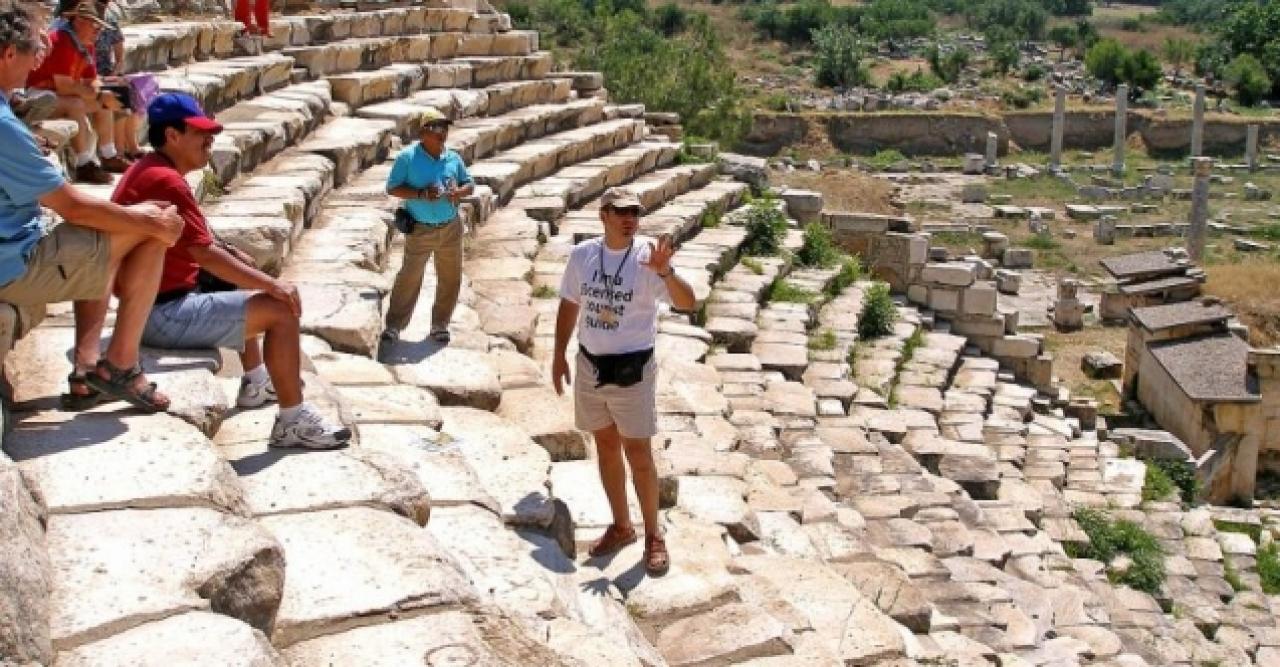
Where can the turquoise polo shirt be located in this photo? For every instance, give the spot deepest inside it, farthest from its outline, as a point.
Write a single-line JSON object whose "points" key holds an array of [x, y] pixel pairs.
{"points": [[415, 168], [25, 177]]}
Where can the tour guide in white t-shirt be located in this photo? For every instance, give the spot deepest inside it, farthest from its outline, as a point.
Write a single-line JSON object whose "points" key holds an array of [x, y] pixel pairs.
{"points": [[610, 291]]}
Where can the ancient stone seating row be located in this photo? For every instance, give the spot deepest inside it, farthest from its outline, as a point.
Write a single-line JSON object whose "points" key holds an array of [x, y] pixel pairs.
{"points": [[548, 198]]}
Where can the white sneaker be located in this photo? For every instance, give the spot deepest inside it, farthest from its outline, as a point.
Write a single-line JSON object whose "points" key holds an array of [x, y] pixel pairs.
{"points": [[253, 395], [309, 430]]}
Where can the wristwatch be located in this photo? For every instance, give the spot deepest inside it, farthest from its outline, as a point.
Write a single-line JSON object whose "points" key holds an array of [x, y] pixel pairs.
{"points": [[670, 272]]}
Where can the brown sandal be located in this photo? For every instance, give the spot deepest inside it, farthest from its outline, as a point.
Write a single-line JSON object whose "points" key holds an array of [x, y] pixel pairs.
{"points": [[120, 383], [656, 559], [614, 538]]}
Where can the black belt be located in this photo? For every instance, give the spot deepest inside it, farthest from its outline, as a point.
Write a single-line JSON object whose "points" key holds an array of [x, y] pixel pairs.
{"points": [[172, 295]]}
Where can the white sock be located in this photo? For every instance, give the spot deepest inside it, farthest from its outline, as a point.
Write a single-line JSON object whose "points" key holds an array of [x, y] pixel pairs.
{"points": [[289, 413], [107, 151], [258, 375], [84, 158]]}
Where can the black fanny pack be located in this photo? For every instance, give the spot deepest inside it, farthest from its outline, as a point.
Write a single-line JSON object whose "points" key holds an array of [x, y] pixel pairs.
{"points": [[622, 370]]}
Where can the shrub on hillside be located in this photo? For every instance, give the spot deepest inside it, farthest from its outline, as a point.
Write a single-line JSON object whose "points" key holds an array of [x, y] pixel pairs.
{"points": [[1111, 538], [878, 313], [1248, 79], [850, 272], [918, 81], [837, 60], [766, 228], [948, 66]]}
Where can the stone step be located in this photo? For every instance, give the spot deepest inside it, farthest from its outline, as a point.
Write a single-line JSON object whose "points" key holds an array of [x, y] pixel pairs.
{"points": [[352, 144], [463, 103], [260, 128], [218, 84], [548, 198], [187, 638], [196, 559], [355, 567]]}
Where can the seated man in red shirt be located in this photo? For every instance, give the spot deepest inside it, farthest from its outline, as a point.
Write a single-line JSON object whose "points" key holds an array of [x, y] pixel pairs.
{"points": [[185, 318], [69, 71]]}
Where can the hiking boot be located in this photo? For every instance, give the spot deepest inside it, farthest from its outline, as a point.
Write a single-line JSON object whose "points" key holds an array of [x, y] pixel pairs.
{"points": [[308, 430], [253, 394], [116, 164], [92, 173]]}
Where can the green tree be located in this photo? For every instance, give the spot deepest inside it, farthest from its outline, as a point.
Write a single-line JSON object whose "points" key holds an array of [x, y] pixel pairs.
{"points": [[670, 19], [1004, 56], [1105, 61], [1086, 34], [838, 57], [1248, 79], [1253, 28], [1025, 18], [1064, 36], [1178, 52], [949, 66], [1141, 71]]}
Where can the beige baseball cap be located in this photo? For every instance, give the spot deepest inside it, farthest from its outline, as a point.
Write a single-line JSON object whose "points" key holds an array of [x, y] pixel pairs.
{"points": [[619, 198], [433, 116]]}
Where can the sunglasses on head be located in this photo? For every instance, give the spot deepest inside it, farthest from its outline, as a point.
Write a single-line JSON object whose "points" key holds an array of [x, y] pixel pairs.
{"points": [[626, 210]]}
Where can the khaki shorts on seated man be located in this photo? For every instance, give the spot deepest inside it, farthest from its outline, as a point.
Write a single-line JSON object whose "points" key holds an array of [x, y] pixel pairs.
{"points": [[101, 246], [185, 317], [610, 293]]}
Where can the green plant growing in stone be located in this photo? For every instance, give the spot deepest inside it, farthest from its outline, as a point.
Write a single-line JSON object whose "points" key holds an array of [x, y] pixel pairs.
{"points": [[1233, 578], [1157, 486], [1253, 531], [766, 228], [753, 265], [1041, 242], [784, 291], [818, 248], [1269, 568], [1111, 538], [878, 313], [1183, 476], [545, 292], [823, 340], [886, 158], [850, 272], [712, 216]]}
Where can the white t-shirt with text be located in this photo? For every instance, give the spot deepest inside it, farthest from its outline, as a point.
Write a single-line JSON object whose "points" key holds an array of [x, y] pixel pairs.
{"points": [[618, 307]]}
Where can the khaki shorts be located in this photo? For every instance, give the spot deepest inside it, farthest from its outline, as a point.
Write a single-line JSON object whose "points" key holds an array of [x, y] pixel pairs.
{"points": [[69, 264], [633, 409]]}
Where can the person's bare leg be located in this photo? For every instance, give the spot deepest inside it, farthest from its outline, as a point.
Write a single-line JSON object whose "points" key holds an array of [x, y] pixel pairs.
{"points": [[252, 355], [613, 473], [126, 134], [644, 476], [282, 347], [104, 126], [89, 316], [137, 280], [73, 108]]}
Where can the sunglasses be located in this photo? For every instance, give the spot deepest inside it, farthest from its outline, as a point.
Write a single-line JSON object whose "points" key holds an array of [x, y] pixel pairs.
{"points": [[436, 127], [629, 211]]}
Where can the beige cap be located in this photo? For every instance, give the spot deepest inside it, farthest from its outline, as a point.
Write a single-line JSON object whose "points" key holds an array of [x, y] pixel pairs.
{"points": [[432, 115], [619, 198]]}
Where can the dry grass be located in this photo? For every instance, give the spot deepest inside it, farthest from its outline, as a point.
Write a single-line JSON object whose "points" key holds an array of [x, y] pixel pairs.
{"points": [[1249, 288], [845, 190], [881, 71], [1069, 349], [1151, 37]]}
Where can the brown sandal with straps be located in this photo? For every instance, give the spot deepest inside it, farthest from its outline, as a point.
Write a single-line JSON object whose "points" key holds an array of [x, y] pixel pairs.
{"points": [[656, 559], [614, 538], [121, 384]]}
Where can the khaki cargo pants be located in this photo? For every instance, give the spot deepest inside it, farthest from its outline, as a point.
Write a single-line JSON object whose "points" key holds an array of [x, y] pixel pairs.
{"points": [[445, 243]]}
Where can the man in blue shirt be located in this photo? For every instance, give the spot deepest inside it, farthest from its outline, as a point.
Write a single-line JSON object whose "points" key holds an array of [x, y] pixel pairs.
{"points": [[99, 249], [432, 180]]}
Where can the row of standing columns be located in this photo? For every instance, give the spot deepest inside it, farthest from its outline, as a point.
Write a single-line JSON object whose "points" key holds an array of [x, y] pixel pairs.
{"points": [[1122, 133]]}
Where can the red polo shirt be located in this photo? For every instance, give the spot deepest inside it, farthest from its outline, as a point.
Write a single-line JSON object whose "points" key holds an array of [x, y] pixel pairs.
{"points": [[64, 59], [155, 179]]}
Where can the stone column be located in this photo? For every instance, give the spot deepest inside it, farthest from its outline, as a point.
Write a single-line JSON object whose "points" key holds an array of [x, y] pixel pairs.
{"points": [[1059, 126], [1122, 111], [1197, 123], [1200, 168], [1251, 147], [992, 148]]}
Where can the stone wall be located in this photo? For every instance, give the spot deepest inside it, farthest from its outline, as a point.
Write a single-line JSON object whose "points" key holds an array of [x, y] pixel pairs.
{"points": [[951, 133]]}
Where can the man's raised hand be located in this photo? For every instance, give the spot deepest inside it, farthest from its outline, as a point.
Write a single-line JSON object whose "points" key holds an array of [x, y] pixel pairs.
{"points": [[659, 260]]}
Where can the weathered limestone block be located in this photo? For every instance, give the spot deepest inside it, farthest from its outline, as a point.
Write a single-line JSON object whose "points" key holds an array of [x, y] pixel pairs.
{"points": [[513, 469], [457, 377], [732, 633], [26, 578], [126, 461], [350, 566], [118, 569], [349, 318], [434, 458], [392, 404], [469, 636], [719, 500], [891, 590], [191, 638], [548, 419]]}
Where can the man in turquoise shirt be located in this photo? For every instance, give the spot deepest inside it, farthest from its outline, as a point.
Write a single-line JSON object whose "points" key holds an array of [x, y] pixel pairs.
{"points": [[432, 179]]}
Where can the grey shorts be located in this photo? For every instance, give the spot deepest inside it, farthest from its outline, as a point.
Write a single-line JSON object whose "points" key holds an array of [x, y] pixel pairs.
{"points": [[633, 409], [199, 321]]}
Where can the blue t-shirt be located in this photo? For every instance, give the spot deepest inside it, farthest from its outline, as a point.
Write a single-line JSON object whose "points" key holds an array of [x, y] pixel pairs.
{"points": [[25, 177], [416, 169]]}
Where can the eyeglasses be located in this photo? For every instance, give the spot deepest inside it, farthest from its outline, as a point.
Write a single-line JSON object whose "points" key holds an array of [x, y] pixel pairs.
{"points": [[438, 128]]}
